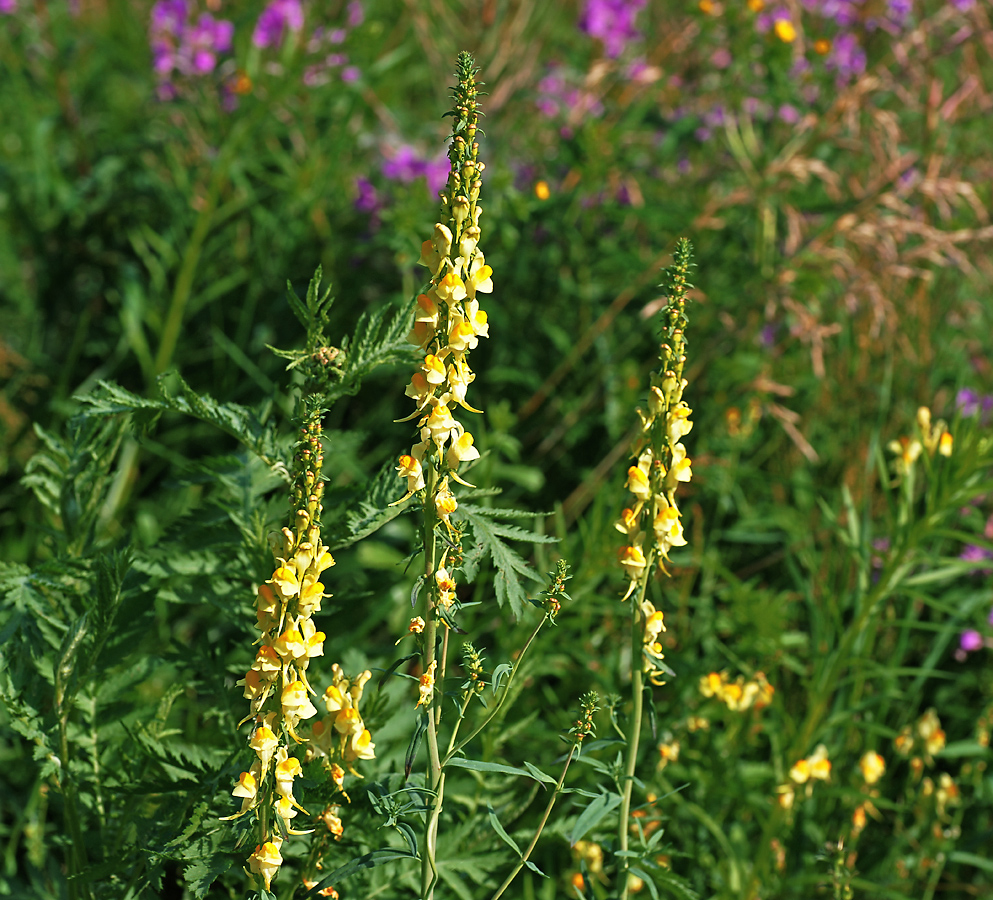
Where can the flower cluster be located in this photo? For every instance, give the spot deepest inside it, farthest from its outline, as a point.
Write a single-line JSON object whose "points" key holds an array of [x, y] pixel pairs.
{"points": [[652, 523], [738, 695], [279, 17], [277, 686], [184, 47], [931, 437], [407, 164], [448, 325]]}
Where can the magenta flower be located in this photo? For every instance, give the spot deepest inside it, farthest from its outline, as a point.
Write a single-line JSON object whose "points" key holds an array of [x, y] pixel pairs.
{"points": [[970, 640], [8, 7], [275, 19], [612, 21]]}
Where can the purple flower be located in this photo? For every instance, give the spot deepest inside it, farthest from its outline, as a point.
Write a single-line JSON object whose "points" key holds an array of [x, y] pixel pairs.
{"points": [[970, 640], [352, 74], [789, 114], [356, 15], [206, 40], [975, 554], [967, 403], [612, 21], [169, 17], [963, 5], [274, 20], [367, 200], [721, 58], [846, 58], [8, 7], [407, 165]]}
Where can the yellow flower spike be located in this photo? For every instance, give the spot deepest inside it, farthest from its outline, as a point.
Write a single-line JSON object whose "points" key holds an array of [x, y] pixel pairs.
{"points": [[265, 862], [873, 766]]}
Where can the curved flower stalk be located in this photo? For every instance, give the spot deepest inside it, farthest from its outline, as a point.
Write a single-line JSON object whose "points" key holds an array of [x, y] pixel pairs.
{"points": [[279, 691], [652, 522]]}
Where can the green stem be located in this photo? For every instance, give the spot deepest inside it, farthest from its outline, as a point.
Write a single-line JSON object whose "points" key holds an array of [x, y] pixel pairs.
{"points": [[503, 697], [435, 776], [541, 825], [637, 711]]}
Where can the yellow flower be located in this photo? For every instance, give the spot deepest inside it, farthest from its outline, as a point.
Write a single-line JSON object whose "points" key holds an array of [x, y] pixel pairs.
{"points": [[822, 46], [541, 190], [348, 721], [360, 747], [451, 288], [872, 766], [480, 277], [433, 370], [461, 450], [446, 586], [785, 31], [247, 788], [295, 702], [440, 425], [945, 444], [410, 468], [285, 580], [426, 687], [680, 469], [637, 482], [265, 861], [627, 523], [800, 772], [633, 560], [264, 743], [713, 684]]}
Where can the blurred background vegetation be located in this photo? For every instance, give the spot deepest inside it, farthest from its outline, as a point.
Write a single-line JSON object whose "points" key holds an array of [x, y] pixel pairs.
{"points": [[162, 175]]}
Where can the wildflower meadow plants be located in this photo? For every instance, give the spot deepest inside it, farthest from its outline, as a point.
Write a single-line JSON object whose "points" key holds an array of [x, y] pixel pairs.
{"points": [[457, 597]]}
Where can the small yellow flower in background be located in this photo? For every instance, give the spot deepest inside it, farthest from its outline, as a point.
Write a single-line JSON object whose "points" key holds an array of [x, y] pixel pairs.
{"points": [[668, 753], [948, 793], [785, 31], [416, 625], [945, 444], [541, 190], [903, 743], [820, 765], [930, 731], [756, 5], [822, 46], [706, 7], [873, 766]]}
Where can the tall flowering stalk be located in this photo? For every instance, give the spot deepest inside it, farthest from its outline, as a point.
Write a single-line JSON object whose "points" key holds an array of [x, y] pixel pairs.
{"points": [[448, 325], [652, 523], [277, 686]]}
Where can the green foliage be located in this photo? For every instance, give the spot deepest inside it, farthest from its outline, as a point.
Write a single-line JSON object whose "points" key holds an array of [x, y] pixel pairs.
{"points": [[146, 446]]}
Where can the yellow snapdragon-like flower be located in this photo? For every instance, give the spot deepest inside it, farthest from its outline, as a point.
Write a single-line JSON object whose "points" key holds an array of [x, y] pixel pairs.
{"points": [[265, 861], [873, 766]]}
